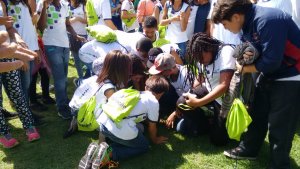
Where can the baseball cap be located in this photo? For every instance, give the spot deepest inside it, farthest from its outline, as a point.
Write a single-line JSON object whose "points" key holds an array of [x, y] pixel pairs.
{"points": [[163, 61], [152, 54]]}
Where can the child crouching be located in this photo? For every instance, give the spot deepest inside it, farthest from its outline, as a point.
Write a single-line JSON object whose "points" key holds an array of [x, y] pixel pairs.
{"points": [[127, 137]]}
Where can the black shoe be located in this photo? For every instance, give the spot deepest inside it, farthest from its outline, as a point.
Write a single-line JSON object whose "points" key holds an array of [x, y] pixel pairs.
{"points": [[37, 106], [9, 115], [72, 129], [64, 115], [48, 100], [239, 154]]}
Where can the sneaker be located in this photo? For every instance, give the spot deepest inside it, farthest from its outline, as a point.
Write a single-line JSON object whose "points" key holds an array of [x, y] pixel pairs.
{"points": [[37, 106], [8, 142], [48, 100], [9, 115], [239, 154], [102, 157], [32, 134], [86, 160], [64, 115]]}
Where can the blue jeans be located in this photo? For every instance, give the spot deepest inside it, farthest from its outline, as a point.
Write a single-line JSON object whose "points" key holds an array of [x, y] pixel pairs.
{"points": [[78, 64], [122, 149], [182, 47], [58, 58], [26, 77]]}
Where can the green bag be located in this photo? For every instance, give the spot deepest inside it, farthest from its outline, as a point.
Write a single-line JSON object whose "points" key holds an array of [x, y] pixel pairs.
{"points": [[121, 103], [238, 120], [91, 15], [162, 31], [85, 117], [102, 33], [129, 22]]}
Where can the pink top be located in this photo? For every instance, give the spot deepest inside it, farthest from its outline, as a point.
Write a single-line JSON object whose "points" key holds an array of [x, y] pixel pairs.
{"points": [[145, 8]]}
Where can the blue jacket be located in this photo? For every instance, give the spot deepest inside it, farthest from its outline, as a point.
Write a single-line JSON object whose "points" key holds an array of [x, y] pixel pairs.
{"points": [[277, 37]]}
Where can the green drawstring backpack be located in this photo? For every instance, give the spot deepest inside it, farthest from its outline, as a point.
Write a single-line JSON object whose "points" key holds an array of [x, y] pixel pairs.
{"points": [[102, 33], [92, 17], [238, 120], [86, 120], [121, 103], [129, 22]]}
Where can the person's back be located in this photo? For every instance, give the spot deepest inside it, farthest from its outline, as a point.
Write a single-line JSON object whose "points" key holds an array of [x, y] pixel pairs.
{"points": [[267, 22]]}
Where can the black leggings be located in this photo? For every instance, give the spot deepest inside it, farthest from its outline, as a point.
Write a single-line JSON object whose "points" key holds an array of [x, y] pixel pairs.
{"points": [[12, 85]]}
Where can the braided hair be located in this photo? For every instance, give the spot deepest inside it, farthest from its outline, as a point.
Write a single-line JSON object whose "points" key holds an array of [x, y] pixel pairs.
{"points": [[200, 43]]}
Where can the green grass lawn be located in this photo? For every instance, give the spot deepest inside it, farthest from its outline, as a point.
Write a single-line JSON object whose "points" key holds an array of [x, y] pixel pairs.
{"points": [[54, 152]]}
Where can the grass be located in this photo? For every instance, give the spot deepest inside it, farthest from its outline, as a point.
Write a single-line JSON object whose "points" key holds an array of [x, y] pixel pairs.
{"points": [[54, 152]]}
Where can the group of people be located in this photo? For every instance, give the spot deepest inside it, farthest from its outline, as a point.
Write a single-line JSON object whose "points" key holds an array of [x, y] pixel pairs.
{"points": [[178, 54]]}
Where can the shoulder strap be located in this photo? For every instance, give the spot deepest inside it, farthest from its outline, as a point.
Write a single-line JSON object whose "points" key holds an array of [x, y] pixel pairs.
{"points": [[100, 86]]}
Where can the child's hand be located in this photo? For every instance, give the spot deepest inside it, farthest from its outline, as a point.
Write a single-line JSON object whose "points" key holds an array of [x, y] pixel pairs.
{"points": [[6, 20], [46, 3], [182, 15], [160, 140], [170, 120], [191, 99]]}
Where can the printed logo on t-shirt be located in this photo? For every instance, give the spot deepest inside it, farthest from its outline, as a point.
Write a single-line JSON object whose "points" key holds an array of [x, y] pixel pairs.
{"points": [[15, 12], [53, 16]]}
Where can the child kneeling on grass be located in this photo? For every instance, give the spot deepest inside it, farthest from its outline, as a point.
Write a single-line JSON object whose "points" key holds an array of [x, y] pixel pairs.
{"points": [[127, 137]]}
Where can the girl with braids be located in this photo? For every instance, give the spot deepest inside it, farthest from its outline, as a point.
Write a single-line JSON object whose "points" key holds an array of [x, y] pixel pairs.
{"points": [[215, 65]]}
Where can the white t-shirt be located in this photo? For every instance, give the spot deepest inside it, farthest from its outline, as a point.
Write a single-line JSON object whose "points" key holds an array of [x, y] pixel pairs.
{"points": [[296, 11], [78, 27], [174, 33], [56, 32], [128, 6], [146, 108], [2, 27], [103, 10], [291, 7], [93, 50], [179, 84], [220, 33], [224, 61], [129, 39], [23, 24], [191, 22], [86, 90]]}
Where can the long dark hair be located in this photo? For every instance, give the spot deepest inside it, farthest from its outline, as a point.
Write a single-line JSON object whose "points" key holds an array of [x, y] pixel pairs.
{"points": [[200, 43], [117, 68]]}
